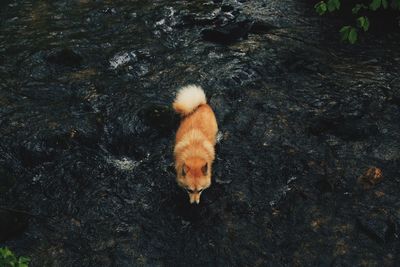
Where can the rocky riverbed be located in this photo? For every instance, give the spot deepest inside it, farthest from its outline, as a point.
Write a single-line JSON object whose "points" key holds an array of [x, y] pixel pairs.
{"points": [[308, 160]]}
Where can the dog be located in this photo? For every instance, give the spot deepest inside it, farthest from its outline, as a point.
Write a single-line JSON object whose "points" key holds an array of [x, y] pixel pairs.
{"points": [[194, 150]]}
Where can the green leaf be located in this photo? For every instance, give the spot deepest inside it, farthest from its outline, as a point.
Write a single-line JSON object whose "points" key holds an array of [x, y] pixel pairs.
{"points": [[337, 4], [363, 23], [375, 4], [396, 4], [345, 28], [344, 32], [366, 24], [353, 35], [384, 4], [348, 33], [7, 258], [358, 7], [5, 252], [320, 7], [23, 261], [333, 5]]}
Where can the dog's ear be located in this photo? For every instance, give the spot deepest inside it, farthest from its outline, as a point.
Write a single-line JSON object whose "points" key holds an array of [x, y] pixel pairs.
{"points": [[184, 169], [204, 169]]}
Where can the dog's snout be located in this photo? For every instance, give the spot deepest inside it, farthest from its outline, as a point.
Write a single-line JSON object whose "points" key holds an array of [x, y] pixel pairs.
{"points": [[194, 198]]}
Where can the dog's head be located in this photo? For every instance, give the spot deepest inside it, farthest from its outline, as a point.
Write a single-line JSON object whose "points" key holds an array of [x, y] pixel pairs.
{"points": [[194, 175]]}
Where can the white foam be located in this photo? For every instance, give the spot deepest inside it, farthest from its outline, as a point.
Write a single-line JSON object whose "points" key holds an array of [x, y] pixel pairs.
{"points": [[121, 59], [124, 164], [220, 136]]}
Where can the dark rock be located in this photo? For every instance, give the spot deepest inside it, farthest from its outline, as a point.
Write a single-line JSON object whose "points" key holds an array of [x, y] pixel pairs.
{"points": [[12, 224], [125, 132], [34, 153], [227, 8], [347, 128], [109, 11], [392, 232], [324, 186], [219, 181], [221, 107], [229, 33], [193, 20], [300, 61], [161, 118], [7, 180], [65, 57], [382, 230], [261, 27]]}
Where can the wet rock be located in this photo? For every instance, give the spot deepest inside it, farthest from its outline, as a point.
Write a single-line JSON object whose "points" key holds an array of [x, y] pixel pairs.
{"points": [[228, 33], [301, 61], [324, 185], [347, 128], [223, 181], [227, 8], [109, 11], [194, 20], [370, 178], [380, 229], [230, 25], [34, 153], [12, 224], [222, 108], [394, 94], [261, 27], [121, 59], [243, 76], [392, 231], [161, 118], [65, 57], [387, 151], [7, 180], [230, 30], [124, 135]]}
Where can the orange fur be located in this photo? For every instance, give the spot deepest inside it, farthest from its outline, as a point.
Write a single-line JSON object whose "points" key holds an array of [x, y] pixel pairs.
{"points": [[194, 148]]}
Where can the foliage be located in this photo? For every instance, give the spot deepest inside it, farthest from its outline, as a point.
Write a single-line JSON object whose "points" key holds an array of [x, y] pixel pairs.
{"points": [[350, 33], [8, 259]]}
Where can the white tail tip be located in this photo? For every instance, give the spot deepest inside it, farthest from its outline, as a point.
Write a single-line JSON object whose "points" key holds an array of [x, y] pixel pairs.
{"points": [[188, 99]]}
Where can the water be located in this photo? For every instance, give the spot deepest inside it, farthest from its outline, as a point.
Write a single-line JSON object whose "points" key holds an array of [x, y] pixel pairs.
{"points": [[87, 136]]}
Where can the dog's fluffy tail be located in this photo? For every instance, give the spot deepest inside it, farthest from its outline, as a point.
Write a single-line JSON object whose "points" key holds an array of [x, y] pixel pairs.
{"points": [[188, 99]]}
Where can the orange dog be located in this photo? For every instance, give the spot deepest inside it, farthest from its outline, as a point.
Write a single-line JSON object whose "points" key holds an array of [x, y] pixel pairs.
{"points": [[195, 140]]}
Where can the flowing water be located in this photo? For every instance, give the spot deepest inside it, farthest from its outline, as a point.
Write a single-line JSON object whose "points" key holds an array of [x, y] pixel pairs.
{"points": [[87, 130]]}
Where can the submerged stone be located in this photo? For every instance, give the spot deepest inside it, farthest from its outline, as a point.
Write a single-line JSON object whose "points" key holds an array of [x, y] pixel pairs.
{"points": [[228, 33], [66, 57]]}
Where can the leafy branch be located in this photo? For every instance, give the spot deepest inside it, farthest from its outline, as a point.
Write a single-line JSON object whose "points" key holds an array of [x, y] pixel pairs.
{"points": [[8, 259], [349, 33]]}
